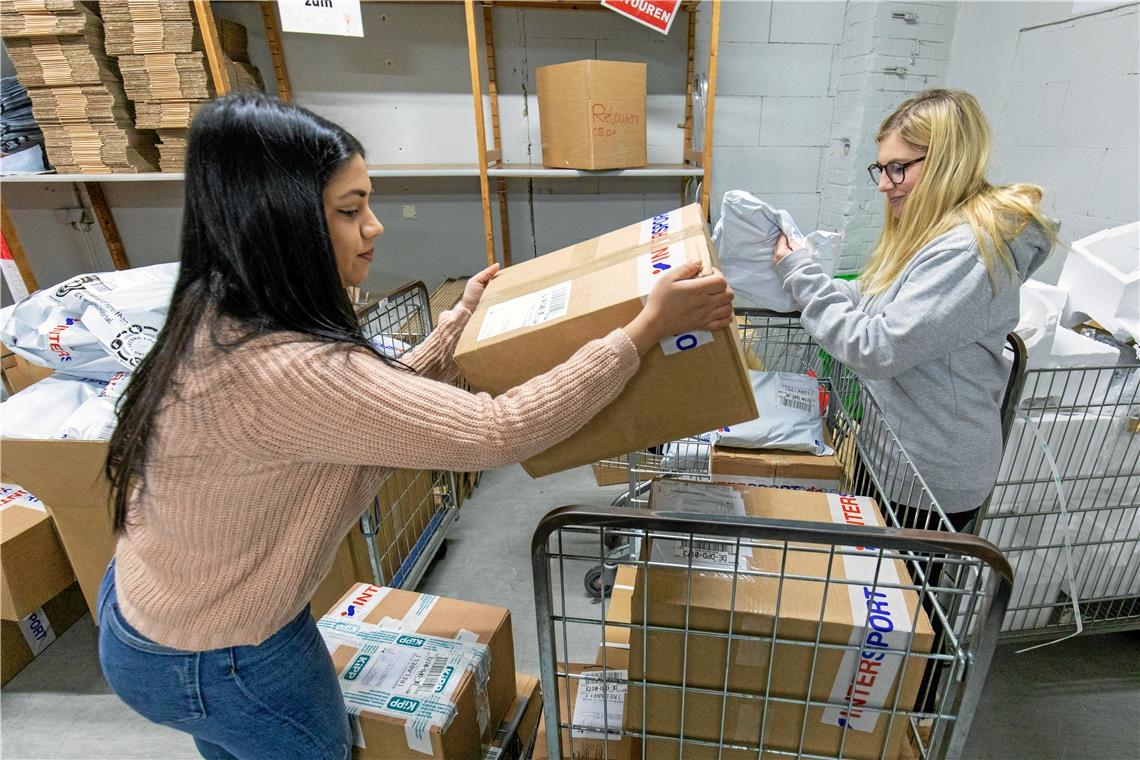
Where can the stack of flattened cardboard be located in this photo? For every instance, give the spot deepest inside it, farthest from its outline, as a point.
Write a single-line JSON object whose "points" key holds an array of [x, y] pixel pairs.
{"points": [[58, 52], [165, 70]]}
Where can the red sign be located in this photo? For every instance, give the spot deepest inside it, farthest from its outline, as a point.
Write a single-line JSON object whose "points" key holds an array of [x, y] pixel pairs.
{"points": [[656, 14]]}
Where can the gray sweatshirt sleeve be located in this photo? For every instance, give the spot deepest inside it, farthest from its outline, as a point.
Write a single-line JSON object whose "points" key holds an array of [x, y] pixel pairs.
{"points": [[943, 302]]}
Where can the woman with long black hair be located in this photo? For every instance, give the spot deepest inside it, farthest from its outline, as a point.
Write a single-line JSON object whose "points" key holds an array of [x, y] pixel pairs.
{"points": [[259, 426]]}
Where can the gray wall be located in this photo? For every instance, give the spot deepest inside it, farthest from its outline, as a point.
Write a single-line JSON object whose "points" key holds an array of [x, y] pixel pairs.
{"points": [[801, 92]]}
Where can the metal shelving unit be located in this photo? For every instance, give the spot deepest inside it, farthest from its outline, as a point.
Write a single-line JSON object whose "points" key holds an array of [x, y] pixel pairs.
{"points": [[489, 167]]}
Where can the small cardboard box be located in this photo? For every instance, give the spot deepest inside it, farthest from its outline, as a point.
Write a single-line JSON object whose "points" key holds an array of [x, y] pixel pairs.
{"points": [[441, 628], [589, 747], [68, 477], [516, 735], [592, 114], [708, 598], [536, 314], [33, 565], [610, 475], [613, 651], [23, 640], [774, 467]]}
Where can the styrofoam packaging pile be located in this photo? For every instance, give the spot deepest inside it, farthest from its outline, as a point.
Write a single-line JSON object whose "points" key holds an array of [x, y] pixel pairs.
{"points": [[1102, 275], [1096, 448]]}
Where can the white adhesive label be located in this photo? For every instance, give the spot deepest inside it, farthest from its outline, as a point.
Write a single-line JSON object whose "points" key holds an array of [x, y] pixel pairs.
{"points": [[867, 676], [526, 311], [14, 496], [710, 553], [600, 705], [37, 631], [364, 598]]}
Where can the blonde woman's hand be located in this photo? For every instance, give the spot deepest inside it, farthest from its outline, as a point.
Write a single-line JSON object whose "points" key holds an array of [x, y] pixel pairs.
{"points": [[682, 302], [473, 291], [783, 248]]}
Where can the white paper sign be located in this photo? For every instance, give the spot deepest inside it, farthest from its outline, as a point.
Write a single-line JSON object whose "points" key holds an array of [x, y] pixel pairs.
{"points": [[600, 705], [337, 17]]}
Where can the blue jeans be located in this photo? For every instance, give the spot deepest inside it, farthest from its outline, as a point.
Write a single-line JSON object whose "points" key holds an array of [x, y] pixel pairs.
{"points": [[277, 700]]}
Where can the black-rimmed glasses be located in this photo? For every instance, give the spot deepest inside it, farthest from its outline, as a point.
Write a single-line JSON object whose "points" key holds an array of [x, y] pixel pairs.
{"points": [[896, 172]]}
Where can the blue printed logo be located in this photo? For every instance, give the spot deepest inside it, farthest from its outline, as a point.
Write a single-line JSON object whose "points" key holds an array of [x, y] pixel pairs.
{"points": [[444, 678], [356, 666], [404, 704]]}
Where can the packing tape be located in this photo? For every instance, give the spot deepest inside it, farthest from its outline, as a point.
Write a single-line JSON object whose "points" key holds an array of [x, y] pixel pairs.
{"points": [[420, 706], [880, 624]]}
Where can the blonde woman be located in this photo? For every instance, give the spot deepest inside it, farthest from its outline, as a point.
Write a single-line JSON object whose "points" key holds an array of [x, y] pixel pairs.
{"points": [[925, 326]]}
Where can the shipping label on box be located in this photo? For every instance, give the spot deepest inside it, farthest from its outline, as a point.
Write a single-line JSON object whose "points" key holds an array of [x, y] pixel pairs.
{"points": [[694, 383]]}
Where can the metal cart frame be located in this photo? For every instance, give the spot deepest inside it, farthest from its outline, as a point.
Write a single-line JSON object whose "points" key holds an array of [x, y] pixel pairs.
{"points": [[1066, 507], [398, 322], [975, 579]]}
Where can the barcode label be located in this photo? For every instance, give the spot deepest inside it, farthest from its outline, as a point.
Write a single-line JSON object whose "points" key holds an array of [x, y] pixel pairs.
{"points": [[795, 398], [431, 675], [706, 551], [526, 311]]}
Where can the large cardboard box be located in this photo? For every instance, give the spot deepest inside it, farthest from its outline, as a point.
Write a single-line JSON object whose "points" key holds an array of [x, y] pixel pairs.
{"points": [[33, 566], [592, 114], [516, 735], [68, 477], [875, 675], [581, 742], [775, 467], [536, 314], [23, 640], [465, 649]]}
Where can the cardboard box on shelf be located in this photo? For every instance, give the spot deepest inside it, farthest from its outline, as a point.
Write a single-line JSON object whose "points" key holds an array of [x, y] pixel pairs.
{"points": [[774, 467], [33, 565], [465, 649], [23, 640], [587, 711], [536, 314], [516, 735], [79, 503], [592, 114], [709, 597]]}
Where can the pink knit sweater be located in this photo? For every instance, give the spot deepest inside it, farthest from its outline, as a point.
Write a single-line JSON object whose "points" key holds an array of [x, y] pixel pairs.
{"points": [[269, 454]]}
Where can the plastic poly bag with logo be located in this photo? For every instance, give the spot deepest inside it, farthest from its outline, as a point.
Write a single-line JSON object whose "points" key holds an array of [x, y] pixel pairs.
{"points": [[95, 418], [40, 410], [745, 236], [789, 416], [93, 325]]}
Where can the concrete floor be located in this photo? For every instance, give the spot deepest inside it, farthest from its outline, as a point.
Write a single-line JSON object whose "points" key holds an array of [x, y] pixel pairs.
{"points": [[1079, 699]]}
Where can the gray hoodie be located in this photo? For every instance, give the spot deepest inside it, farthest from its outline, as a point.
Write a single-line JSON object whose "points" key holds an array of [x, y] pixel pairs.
{"points": [[929, 350]]}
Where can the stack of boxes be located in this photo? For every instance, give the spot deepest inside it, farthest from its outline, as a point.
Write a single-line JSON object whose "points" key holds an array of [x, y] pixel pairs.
{"points": [[39, 598], [165, 71], [57, 49]]}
